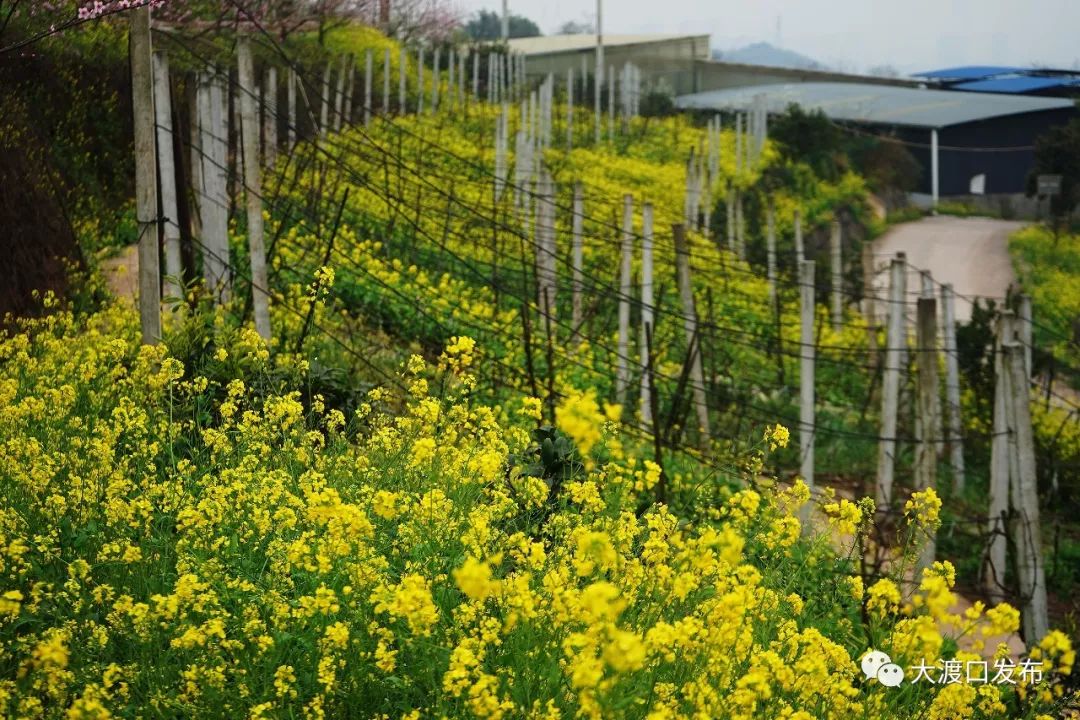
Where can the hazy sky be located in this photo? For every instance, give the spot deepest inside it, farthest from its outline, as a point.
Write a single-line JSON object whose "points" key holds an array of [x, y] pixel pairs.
{"points": [[911, 35]]}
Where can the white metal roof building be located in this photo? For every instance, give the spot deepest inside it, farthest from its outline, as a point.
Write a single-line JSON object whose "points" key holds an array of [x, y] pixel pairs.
{"points": [[670, 58], [876, 104], [967, 143]]}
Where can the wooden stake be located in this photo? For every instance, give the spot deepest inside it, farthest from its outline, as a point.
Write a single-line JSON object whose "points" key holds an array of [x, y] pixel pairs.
{"points": [[929, 410], [146, 211], [890, 384], [253, 181], [686, 294]]}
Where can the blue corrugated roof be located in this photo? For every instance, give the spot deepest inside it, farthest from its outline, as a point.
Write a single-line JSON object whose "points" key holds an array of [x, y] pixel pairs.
{"points": [[1016, 84], [970, 72]]}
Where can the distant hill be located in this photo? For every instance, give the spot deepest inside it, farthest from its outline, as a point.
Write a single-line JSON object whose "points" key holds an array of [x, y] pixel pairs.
{"points": [[762, 53]]}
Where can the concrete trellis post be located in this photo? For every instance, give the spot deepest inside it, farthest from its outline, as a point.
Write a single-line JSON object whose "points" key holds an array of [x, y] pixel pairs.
{"points": [[195, 153], [502, 126], [386, 84], [837, 267], [324, 112], [690, 328], [461, 77], [214, 203], [929, 409], [626, 252], [1025, 329], [598, 92], [163, 113], [290, 101], [577, 259], [451, 69], [807, 353], [491, 78], [647, 315], [570, 109], [611, 102], [738, 143], [270, 121], [731, 219], [770, 252], [435, 79], [926, 282], [146, 210], [345, 117], [545, 245], [740, 226], [952, 388], [704, 194], [800, 253], [369, 78], [403, 80], [1027, 530], [253, 181], [476, 75], [994, 570], [420, 91], [890, 395], [201, 152]]}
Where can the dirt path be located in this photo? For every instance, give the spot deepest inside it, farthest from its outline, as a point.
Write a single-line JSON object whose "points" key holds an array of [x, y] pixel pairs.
{"points": [[121, 273], [970, 253]]}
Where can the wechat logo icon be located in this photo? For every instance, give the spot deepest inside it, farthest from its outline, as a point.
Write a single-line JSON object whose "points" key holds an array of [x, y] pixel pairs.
{"points": [[876, 664]]}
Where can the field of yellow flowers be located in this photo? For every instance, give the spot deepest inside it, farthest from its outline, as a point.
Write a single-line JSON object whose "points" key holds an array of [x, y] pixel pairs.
{"points": [[207, 542], [194, 529], [425, 252]]}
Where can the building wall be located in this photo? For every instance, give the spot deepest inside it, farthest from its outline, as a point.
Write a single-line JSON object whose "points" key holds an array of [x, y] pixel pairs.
{"points": [[668, 61], [964, 153]]}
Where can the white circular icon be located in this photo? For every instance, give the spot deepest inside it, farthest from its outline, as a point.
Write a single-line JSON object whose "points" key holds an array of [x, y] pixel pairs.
{"points": [[890, 675], [873, 661]]}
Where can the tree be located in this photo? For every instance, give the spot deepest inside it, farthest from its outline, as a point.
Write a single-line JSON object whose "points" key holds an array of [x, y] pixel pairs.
{"points": [[810, 138], [577, 27], [1057, 152], [487, 25], [404, 19]]}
